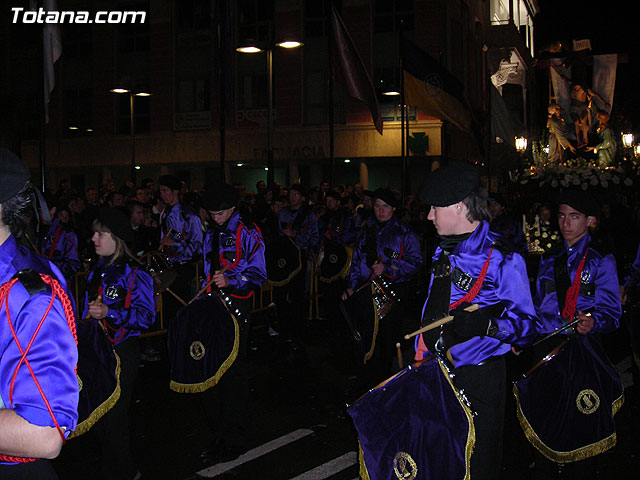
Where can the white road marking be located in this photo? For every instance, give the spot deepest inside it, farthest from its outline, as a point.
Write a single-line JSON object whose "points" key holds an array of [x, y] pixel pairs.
{"points": [[330, 468], [263, 449]]}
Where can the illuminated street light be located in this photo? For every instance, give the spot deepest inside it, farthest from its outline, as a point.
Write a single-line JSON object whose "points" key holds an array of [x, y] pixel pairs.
{"points": [[521, 144]]}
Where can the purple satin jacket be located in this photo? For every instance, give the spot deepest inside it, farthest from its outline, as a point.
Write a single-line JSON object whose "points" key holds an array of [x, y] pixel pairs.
{"points": [[398, 248], [339, 227], [53, 355], [185, 228], [599, 292], [117, 280], [65, 251], [307, 234], [243, 249], [506, 281]]}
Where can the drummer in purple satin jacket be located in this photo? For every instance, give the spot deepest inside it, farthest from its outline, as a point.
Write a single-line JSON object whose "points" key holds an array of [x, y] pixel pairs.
{"points": [[60, 244], [181, 228], [338, 223], [598, 301], [473, 265], [120, 295], [27, 429], [234, 262], [298, 222], [240, 245], [398, 247], [390, 250]]}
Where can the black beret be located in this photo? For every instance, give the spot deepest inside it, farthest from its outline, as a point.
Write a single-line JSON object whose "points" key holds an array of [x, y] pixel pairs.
{"points": [[14, 176], [333, 194], [220, 197], [117, 221], [387, 196], [582, 201], [170, 181], [300, 188], [450, 184]]}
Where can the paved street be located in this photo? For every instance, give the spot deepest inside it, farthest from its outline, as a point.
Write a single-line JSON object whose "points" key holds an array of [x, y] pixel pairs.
{"points": [[300, 427]]}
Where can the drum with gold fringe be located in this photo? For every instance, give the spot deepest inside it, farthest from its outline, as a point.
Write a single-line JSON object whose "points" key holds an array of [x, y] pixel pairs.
{"points": [[567, 401], [203, 341], [415, 425], [98, 375]]}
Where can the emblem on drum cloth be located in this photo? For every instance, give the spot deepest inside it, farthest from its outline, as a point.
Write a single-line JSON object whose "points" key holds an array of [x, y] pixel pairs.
{"points": [[587, 401], [197, 350], [281, 262], [333, 258], [404, 466]]}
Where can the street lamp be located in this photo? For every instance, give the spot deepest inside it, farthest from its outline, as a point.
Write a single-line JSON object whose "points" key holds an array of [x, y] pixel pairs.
{"points": [[254, 48], [521, 144], [132, 95]]}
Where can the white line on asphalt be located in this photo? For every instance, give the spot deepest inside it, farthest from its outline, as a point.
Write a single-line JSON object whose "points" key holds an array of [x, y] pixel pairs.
{"points": [[330, 468], [268, 447]]}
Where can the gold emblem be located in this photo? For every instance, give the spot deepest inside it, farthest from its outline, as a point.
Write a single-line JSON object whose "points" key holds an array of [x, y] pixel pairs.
{"points": [[333, 258], [80, 384], [587, 401], [281, 262], [404, 466], [197, 350]]}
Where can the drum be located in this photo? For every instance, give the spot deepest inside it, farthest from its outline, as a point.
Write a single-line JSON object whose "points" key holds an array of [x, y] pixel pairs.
{"points": [[567, 401], [98, 375], [363, 311], [203, 341], [416, 424], [334, 260], [158, 266], [283, 261]]}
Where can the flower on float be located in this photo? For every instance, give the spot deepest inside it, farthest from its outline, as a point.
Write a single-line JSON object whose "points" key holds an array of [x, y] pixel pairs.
{"points": [[584, 186], [564, 183], [628, 182], [615, 180], [554, 183], [593, 180], [576, 181], [604, 184]]}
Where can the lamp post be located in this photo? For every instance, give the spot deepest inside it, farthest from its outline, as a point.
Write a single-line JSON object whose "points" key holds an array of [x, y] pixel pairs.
{"points": [[253, 48], [521, 145], [132, 95]]}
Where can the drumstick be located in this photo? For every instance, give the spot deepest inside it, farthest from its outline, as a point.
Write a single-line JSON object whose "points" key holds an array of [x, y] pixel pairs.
{"points": [[399, 351], [207, 285], [442, 321], [97, 302], [176, 296]]}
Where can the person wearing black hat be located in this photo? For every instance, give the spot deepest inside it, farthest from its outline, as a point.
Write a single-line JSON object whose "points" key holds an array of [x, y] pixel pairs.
{"points": [[337, 222], [387, 249], [233, 262], [298, 222], [38, 392], [120, 296], [473, 265], [575, 281], [364, 211], [181, 240]]}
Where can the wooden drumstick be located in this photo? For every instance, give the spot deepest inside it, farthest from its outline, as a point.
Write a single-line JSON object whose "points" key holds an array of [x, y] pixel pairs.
{"points": [[399, 351], [97, 302], [176, 296], [442, 321]]}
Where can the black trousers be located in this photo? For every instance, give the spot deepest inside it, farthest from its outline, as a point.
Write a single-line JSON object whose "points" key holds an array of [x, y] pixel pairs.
{"points": [[39, 470], [485, 387], [226, 405], [112, 430]]}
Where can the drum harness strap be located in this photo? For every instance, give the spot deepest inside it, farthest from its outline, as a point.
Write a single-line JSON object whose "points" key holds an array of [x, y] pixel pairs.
{"points": [[56, 291], [222, 260], [567, 301], [440, 295]]}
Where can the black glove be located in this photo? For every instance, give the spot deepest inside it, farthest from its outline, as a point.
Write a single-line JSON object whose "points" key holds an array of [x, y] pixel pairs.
{"points": [[470, 324]]}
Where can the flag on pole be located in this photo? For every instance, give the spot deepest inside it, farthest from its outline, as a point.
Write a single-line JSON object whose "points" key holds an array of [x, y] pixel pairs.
{"points": [[52, 49], [349, 64], [431, 88]]}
